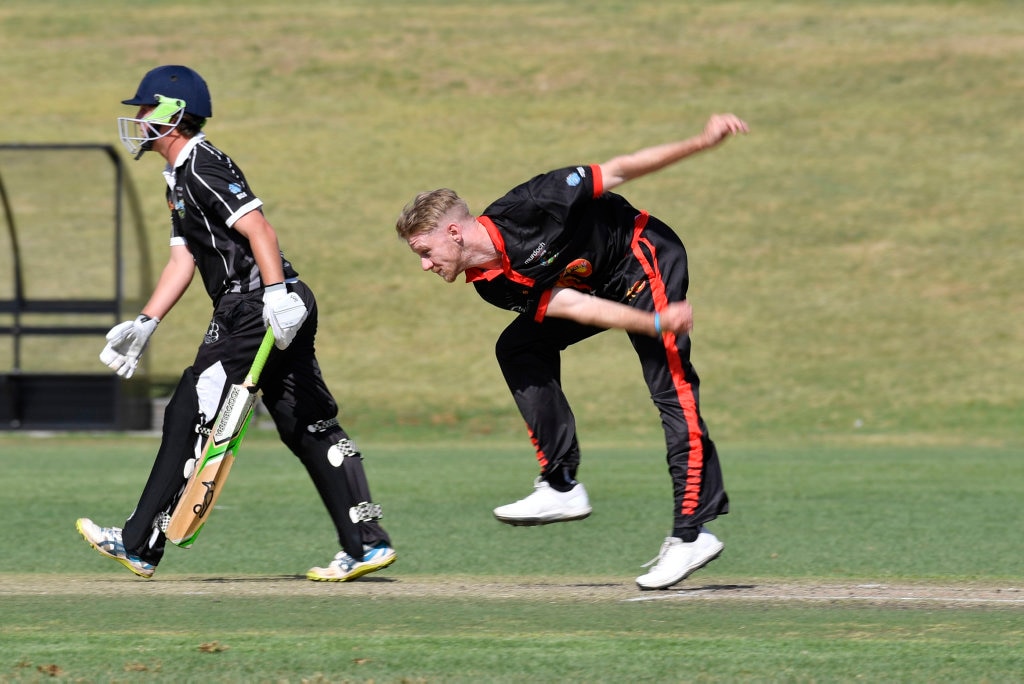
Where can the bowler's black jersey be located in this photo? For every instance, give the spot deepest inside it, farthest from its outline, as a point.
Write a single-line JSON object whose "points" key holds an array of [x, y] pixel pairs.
{"points": [[207, 193], [559, 229]]}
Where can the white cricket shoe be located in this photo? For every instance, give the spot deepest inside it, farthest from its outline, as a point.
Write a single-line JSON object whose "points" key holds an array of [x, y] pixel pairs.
{"points": [[344, 567], [107, 540], [678, 560], [546, 505]]}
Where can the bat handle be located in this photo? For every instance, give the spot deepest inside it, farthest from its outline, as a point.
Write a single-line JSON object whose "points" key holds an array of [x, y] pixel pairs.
{"points": [[261, 358]]}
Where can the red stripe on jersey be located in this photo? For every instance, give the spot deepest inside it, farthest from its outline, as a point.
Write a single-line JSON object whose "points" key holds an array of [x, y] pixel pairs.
{"points": [[506, 265], [684, 390], [542, 305], [598, 180]]}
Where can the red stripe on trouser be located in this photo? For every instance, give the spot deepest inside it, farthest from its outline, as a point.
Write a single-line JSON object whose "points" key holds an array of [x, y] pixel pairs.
{"points": [[684, 390], [542, 458]]}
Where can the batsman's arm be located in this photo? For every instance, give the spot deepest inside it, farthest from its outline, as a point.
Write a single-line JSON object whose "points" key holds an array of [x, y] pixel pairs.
{"points": [[173, 282], [574, 305], [618, 170], [127, 341], [265, 246]]}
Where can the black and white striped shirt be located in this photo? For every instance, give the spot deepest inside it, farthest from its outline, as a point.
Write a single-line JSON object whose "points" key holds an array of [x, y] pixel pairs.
{"points": [[207, 193]]}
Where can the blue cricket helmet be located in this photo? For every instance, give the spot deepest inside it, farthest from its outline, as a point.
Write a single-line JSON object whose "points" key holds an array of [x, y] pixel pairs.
{"points": [[178, 82]]}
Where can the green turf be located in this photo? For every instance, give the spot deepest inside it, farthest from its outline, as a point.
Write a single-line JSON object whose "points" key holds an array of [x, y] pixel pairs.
{"points": [[865, 515], [416, 641], [810, 511]]}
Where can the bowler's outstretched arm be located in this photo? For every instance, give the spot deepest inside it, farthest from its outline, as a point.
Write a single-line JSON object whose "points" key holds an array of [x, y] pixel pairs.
{"points": [[618, 170]]}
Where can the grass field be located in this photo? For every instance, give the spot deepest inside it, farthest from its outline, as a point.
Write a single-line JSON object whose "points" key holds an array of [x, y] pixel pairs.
{"points": [[841, 564], [855, 267]]}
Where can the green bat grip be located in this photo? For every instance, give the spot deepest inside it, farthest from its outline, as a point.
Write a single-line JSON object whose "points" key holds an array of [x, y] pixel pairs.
{"points": [[261, 358]]}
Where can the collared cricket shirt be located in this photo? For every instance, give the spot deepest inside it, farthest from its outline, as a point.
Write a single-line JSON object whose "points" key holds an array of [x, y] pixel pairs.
{"points": [[558, 229], [207, 193]]}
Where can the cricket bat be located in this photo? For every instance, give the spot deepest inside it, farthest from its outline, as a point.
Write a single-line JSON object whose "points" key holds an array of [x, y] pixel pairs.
{"points": [[207, 479]]}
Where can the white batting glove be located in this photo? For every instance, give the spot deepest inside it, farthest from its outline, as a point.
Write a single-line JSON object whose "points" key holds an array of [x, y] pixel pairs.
{"points": [[125, 344], [283, 312]]}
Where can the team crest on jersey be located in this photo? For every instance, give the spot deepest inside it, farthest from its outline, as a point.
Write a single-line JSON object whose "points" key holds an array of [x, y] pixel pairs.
{"points": [[238, 191], [178, 206], [576, 177], [576, 274]]}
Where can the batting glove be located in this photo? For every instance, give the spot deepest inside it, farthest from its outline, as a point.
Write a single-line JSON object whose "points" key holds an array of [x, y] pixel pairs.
{"points": [[125, 344], [283, 312]]}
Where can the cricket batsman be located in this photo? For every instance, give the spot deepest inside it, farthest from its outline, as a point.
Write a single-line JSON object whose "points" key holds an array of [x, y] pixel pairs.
{"points": [[218, 229]]}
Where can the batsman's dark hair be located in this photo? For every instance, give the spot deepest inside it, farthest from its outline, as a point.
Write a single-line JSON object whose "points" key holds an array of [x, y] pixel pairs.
{"points": [[190, 125]]}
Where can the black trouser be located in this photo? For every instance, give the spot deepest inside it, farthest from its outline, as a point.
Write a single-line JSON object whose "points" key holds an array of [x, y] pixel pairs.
{"points": [[529, 355], [296, 397]]}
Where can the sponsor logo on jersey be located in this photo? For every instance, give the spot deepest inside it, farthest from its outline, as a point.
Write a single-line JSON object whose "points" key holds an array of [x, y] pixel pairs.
{"points": [[575, 275], [637, 287], [541, 250], [238, 191], [551, 259]]}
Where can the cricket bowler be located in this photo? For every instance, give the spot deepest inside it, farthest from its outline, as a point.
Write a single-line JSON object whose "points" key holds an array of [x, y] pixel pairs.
{"points": [[573, 259], [218, 229]]}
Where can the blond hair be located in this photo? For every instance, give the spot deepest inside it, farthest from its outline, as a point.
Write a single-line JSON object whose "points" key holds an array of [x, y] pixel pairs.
{"points": [[425, 212]]}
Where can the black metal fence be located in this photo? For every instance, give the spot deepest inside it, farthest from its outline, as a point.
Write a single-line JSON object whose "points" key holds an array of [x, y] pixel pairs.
{"points": [[72, 217]]}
